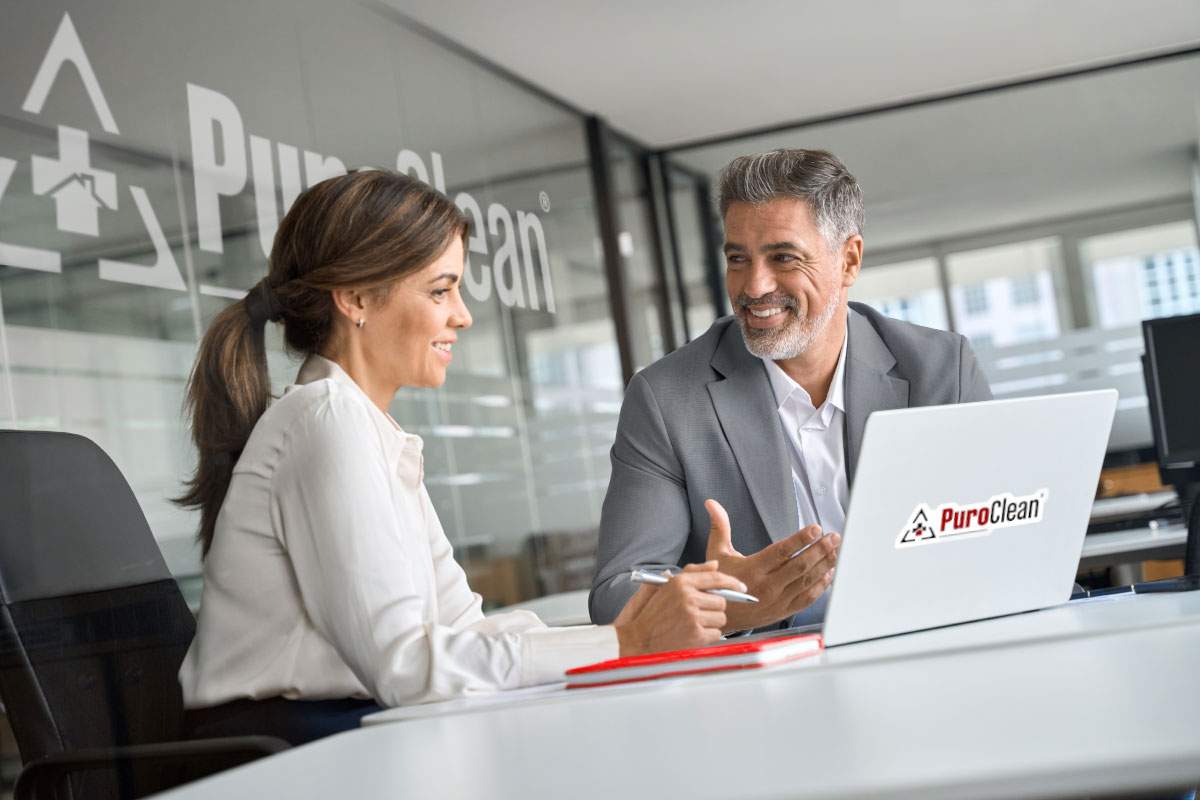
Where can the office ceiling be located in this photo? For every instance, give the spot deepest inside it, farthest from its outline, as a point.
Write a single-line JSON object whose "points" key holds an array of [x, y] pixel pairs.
{"points": [[671, 71]]}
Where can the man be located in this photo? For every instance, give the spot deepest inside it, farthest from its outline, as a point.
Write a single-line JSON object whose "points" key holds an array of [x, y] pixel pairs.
{"points": [[728, 445]]}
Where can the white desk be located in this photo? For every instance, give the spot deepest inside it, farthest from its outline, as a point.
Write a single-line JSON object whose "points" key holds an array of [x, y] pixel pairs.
{"points": [[1094, 697], [565, 608]]}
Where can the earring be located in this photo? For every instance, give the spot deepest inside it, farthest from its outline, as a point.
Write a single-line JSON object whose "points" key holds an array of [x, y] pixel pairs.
{"points": [[361, 321]]}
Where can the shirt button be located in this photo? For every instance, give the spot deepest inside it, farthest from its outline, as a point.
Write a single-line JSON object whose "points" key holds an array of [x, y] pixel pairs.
{"points": [[820, 490]]}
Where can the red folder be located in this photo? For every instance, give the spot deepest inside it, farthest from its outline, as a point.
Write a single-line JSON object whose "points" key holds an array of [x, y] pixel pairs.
{"points": [[697, 661]]}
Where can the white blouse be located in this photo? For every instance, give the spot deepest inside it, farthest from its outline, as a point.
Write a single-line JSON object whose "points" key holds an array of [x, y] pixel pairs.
{"points": [[329, 574]]}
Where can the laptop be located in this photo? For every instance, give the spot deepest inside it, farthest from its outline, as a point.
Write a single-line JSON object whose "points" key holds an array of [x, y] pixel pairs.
{"points": [[965, 512]]}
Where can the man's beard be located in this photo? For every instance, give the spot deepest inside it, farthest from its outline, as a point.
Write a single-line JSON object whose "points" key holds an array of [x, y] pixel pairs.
{"points": [[788, 340]]}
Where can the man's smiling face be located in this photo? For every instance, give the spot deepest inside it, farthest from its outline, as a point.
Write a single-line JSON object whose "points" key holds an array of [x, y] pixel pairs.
{"points": [[785, 282]]}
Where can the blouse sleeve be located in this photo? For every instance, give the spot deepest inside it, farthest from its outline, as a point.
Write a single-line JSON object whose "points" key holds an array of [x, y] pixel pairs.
{"points": [[458, 606], [358, 579]]}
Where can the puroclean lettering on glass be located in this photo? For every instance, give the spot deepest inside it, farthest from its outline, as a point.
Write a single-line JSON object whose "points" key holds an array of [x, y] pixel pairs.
{"points": [[225, 157], [217, 128]]}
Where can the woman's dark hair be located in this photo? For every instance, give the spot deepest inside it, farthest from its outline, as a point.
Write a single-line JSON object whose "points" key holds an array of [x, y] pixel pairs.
{"points": [[365, 231]]}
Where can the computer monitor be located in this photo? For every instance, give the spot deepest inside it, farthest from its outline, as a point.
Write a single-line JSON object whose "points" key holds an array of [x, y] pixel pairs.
{"points": [[1172, 369], [1173, 391]]}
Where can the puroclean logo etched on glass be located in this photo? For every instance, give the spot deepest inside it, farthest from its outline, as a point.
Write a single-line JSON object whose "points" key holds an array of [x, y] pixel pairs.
{"points": [[519, 272], [952, 521]]}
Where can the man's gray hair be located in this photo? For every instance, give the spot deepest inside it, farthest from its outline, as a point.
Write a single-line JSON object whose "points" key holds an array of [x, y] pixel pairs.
{"points": [[814, 176]]}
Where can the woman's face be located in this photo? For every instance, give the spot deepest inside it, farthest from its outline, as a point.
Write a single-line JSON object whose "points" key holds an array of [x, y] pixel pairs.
{"points": [[409, 337]]}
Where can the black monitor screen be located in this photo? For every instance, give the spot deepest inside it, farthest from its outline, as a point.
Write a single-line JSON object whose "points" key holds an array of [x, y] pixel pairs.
{"points": [[1173, 361]]}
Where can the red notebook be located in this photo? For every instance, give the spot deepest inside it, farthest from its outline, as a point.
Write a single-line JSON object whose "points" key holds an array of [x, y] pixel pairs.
{"points": [[696, 661]]}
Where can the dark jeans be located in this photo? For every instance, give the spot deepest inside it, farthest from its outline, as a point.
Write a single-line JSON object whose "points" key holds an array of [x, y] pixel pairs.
{"points": [[294, 721]]}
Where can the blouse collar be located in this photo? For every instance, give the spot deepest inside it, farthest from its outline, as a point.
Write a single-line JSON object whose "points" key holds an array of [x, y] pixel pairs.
{"points": [[401, 444]]}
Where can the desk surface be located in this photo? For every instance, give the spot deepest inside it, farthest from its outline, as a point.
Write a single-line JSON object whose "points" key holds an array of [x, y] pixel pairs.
{"points": [[1094, 697]]}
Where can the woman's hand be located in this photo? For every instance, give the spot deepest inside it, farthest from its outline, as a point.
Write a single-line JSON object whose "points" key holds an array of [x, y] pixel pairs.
{"points": [[677, 614]]}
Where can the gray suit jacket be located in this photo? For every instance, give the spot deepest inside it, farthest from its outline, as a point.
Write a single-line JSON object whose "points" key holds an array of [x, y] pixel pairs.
{"points": [[701, 422]]}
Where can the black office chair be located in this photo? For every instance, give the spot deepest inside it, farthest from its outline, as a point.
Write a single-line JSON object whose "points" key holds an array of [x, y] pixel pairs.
{"points": [[92, 632]]}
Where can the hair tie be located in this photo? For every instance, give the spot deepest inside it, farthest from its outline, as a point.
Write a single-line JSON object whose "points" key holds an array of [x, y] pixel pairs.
{"points": [[262, 305]]}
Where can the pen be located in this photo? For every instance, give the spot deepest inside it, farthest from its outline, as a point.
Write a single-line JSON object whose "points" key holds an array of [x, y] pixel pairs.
{"points": [[802, 550], [646, 576]]}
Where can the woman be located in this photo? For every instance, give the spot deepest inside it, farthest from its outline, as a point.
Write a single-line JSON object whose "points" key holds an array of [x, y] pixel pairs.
{"points": [[329, 585]]}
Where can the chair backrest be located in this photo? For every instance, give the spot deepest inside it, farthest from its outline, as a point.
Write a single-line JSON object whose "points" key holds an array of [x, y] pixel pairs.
{"points": [[92, 626]]}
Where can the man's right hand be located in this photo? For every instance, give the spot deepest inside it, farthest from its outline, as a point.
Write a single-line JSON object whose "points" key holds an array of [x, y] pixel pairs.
{"points": [[783, 585]]}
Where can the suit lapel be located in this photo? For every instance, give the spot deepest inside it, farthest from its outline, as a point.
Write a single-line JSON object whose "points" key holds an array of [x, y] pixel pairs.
{"points": [[745, 408], [869, 385]]}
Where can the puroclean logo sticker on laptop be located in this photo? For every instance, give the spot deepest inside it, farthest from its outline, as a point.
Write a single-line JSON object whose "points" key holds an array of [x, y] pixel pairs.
{"points": [[953, 521]]}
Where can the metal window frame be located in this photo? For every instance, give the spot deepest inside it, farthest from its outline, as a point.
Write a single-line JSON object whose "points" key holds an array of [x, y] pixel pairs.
{"points": [[607, 224]]}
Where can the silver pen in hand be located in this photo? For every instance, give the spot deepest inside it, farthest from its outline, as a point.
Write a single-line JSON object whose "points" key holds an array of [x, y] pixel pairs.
{"points": [[804, 549], [657, 578]]}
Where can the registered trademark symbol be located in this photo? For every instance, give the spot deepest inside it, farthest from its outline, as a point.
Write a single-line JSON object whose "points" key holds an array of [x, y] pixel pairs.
{"points": [[544, 200]]}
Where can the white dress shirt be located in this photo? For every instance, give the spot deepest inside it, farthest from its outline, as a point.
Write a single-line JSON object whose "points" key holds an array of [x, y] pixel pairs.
{"points": [[330, 576], [816, 445]]}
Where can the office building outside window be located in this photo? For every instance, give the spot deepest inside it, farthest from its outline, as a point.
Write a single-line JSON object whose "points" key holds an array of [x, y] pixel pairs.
{"points": [[1005, 295], [1142, 273], [1026, 290], [975, 299], [906, 290]]}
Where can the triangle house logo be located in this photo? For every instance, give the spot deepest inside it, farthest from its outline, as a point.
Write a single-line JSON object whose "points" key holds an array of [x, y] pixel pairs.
{"points": [[80, 190], [918, 529]]}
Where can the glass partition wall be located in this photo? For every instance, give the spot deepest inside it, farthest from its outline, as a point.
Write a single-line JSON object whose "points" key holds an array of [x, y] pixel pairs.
{"points": [[142, 179]]}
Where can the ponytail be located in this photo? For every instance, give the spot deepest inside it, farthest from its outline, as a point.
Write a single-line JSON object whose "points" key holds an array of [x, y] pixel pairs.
{"points": [[364, 230], [229, 389]]}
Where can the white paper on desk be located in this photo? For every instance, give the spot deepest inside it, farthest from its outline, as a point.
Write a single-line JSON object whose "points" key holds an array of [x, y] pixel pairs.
{"points": [[463, 705]]}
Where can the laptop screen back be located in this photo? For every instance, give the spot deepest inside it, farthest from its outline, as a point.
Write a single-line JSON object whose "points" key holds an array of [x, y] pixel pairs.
{"points": [[965, 512]]}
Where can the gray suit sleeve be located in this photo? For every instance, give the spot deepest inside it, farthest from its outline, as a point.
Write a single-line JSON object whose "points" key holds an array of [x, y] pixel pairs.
{"points": [[973, 384], [645, 518]]}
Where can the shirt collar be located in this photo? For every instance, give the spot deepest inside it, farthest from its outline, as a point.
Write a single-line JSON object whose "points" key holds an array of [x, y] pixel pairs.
{"points": [[316, 368], [783, 386], [404, 449]]}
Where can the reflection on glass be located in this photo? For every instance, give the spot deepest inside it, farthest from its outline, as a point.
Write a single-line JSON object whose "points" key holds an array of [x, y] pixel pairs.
{"points": [[1005, 295], [906, 290], [1142, 273]]}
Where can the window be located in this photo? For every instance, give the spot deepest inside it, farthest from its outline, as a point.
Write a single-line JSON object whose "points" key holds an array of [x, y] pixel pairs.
{"points": [[975, 299], [1141, 273], [906, 290], [1005, 295], [1025, 290]]}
